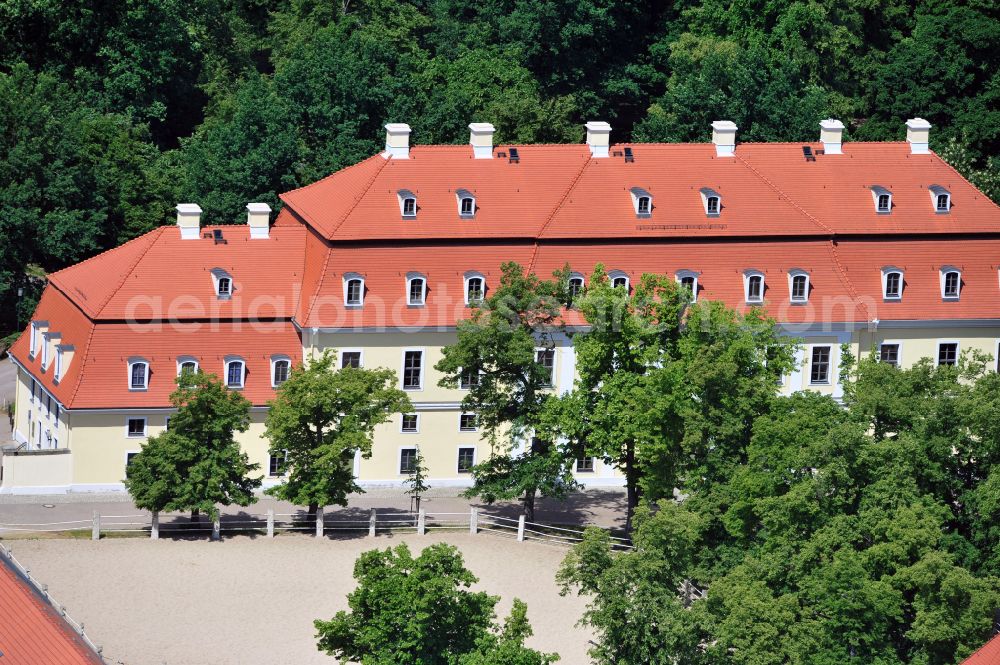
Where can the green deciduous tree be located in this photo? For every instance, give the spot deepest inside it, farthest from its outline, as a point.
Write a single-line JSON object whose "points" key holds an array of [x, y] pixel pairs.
{"points": [[197, 464], [419, 611], [320, 419], [498, 345], [416, 480]]}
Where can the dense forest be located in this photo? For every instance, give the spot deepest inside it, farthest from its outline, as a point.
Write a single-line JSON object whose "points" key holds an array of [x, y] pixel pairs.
{"points": [[113, 112]]}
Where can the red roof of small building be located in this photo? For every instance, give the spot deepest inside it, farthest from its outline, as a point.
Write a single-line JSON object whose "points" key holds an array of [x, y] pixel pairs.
{"points": [[31, 633], [988, 654]]}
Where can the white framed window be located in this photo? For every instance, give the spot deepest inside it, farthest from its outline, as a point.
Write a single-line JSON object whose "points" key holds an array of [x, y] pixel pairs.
{"points": [[354, 290], [35, 339], [409, 423], [947, 352], [469, 379], [890, 353], [618, 279], [407, 203], [711, 201], [135, 428], [951, 283], [416, 289], [277, 464], [236, 370], [584, 464], [467, 422], [45, 351], [798, 285], [407, 460], [222, 283], [689, 280], [466, 459], [57, 364], [882, 198], [281, 368], [819, 365], [642, 202], [413, 369], [475, 288], [892, 283], [940, 199], [466, 203], [546, 358], [575, 285], [138, 374], [186, 364], [351, 358], [129, 456], [753, 286]]}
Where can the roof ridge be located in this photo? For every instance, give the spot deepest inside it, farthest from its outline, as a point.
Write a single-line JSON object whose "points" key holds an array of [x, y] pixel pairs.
{"points": [[557, 208], [126, 273], [844, 278], [782, 194], [963, 178], [361, 195], [319, 285]]}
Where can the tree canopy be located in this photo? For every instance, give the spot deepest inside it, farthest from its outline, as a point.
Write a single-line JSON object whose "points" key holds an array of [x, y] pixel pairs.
{"points": [[113, 113]]}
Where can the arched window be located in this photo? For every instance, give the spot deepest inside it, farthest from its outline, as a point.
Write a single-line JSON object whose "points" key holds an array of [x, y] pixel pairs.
{"points": [[138, 374], [235, 372], [798, 285], [753, 286], [575, 286], [711, 201], [466, 203], [892, 283], [223, 283], [940, 199], [642, 202], [281, 367], [186, 364], [354, 290], [883, 200], [416, 289], [688, 279], [475, 288], [618, 279], [407, 203], [951, 283]]}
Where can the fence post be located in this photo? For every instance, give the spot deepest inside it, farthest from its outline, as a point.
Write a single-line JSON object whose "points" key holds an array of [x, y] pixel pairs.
{"points": [[95, 531], [371, 524], [520, 528], [154, 525], [217, 527], [319, 522], [473, 521], [270, 522], [421, 522]]}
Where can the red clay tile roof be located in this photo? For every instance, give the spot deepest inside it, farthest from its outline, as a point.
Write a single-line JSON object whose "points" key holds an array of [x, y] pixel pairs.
{"points": [[31, 633], [988, 654]]}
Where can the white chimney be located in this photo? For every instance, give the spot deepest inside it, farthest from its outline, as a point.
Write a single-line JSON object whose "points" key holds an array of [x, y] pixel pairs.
{"points": [[598, 138], [397, 141], [918, 132], [259, 220], [724, 137], [831, 134], [189, 220], [481, 139]]}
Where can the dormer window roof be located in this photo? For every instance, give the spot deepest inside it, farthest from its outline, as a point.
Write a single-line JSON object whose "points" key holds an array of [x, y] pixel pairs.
{"points": [[940, 199], [892, 283], [882, 198], [407, 203], [711, 201], [753, 286], [354, 290], [222, 282], [642, 202], [416, 289], [466, 203], [798, 285], [951, 283]]}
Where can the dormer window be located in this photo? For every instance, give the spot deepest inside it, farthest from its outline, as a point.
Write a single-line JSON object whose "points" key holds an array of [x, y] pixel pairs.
{"points": [[281, 367], [575, 285], [951, 283], [466, 203], [186, 364], [688, 279], [618, 279], [354, 290], [753, 286], [35, 338], [798, 286], [642, 202], [475, 288], [883, 200], [940, 199], [235, 373], [225, 287], [138, 374], [416, 289], [711, 201], [892, 283], [407, 203], [223, 283]]}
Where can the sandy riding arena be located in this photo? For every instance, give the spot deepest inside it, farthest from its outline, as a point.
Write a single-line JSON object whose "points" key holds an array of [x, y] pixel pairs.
{"points": [[252, 600]]}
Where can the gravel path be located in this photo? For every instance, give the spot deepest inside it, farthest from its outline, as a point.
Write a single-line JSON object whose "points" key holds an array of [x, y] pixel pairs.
{"points": [[252, 600]]}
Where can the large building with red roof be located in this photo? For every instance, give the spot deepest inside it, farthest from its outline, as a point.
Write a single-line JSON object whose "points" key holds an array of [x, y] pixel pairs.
{"points": [[880, 246]]}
